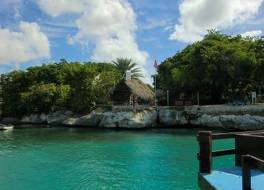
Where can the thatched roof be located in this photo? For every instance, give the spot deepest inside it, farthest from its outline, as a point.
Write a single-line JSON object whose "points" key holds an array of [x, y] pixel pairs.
{"points": [[140, 89]]}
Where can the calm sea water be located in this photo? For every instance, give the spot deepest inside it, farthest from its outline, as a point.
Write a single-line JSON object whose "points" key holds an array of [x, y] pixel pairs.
{"points": [[79, 159]]}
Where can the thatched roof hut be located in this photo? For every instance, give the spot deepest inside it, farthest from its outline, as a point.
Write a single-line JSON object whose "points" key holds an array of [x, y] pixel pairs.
{"points": [[131, 91]]}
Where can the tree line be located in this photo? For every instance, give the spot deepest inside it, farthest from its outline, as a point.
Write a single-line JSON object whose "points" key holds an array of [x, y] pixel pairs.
{"points": [[74, 86], [220, 68]]}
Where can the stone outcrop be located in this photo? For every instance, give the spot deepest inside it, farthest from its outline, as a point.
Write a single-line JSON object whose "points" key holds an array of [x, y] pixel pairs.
{"points": [[35, 118], [243, 122], [12, 120], [104, 119], [172, 117], [235, 117], [58, 118], [140, 119], [91, 120], [128, 119], [224, 116]]}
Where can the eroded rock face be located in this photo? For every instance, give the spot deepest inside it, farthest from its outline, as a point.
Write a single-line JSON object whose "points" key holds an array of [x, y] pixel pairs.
{"points": [[172, 117], [207, 121], [242, 121], [10, 120], [232, 110], [109, 119], [69, 121], [91, 120], [59, 117], [228, 117], [35, 118], [141, 119], [53, 118]]}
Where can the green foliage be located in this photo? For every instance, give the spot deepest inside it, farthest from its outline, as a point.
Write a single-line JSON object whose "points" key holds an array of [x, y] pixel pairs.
{"points": [[123, 65], [45, 98], [59, 86], [217, 67]]}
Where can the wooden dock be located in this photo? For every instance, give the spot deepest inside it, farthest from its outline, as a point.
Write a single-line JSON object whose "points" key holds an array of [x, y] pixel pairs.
{"points": [[248, 170]]}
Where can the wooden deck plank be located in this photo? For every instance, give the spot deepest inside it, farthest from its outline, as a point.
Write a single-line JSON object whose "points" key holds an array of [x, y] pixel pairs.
{"points": [[230, 179]]}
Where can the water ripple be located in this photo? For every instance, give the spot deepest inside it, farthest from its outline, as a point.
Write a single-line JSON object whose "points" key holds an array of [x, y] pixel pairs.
{"points": [[64, 159]]}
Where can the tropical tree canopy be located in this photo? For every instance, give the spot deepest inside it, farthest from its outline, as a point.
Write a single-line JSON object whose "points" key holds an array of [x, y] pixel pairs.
{"points": [[59, 86], [123, 65], [220, 67]]}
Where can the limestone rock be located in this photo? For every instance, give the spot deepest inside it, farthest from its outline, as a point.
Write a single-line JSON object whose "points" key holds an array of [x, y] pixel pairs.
{"points": [[12, 120], [217, 116], [70, 121], [91, 120], [129, 119], [58, 118], [34, 118], [246, 122], [172, 117], [207, 121]]}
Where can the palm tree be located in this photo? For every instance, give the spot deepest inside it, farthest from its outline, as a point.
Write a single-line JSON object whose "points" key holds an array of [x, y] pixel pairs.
{"points": [[123, 65]]}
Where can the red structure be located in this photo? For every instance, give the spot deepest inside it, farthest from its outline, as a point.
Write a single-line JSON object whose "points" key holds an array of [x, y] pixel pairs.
{"points": [[249, 164]]}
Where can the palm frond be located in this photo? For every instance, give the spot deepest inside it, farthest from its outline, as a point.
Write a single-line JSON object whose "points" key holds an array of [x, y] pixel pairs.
{"points": [[123, 65]]}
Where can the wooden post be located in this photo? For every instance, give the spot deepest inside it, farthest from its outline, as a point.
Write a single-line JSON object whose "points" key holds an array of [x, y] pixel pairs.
{"points": [[198, 98], [156, 102], [246, 175], [205, 154], [168, 98]]}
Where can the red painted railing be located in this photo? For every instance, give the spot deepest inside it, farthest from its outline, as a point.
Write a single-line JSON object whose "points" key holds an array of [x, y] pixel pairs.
{"points": [[206, 154]]}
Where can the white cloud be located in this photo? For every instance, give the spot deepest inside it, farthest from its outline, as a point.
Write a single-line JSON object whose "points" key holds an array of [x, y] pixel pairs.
{"points": [[25, 45], [197, 16], [109, 25], [253, 33], [59, 7], [152, 23]]}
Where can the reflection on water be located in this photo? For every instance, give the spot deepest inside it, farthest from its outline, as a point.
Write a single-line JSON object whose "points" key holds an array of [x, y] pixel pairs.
{"points": [[67, 159]]}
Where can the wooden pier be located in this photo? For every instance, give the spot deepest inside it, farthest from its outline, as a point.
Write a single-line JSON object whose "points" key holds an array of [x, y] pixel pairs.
{"points": [[248, 170]]}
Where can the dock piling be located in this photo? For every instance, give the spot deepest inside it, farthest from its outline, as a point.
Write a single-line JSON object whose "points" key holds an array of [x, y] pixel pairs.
{"points": [[246, 176], [205, 153]]}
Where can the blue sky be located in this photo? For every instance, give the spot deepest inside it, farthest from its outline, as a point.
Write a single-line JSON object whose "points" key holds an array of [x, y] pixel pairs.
{"points": [[33, 32]]}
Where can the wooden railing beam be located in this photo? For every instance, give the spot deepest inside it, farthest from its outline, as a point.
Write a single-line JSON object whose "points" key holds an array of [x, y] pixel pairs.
{"points": [[233, 134], [223, 152], [249, 162]]}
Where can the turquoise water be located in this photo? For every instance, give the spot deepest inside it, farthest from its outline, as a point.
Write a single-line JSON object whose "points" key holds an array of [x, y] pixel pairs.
{"points": [[79, 159]]}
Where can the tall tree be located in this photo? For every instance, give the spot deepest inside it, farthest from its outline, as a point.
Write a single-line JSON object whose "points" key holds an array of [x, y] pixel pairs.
{"points": [[60, 86], [123, 65], [219, 67]]}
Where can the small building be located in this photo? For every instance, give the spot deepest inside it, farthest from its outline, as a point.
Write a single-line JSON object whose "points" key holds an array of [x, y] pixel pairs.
{"points": [[131, 92]]}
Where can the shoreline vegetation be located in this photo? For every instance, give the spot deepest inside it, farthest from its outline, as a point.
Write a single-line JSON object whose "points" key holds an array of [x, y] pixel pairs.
{"points": [[219, 69]]}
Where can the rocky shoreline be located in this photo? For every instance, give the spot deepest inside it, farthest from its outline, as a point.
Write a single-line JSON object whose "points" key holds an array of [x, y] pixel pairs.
{"points": [[217, 116]]}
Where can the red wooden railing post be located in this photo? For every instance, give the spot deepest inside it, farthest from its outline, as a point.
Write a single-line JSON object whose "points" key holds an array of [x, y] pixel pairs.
{"points": [[205, 153], [246, 174]]}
